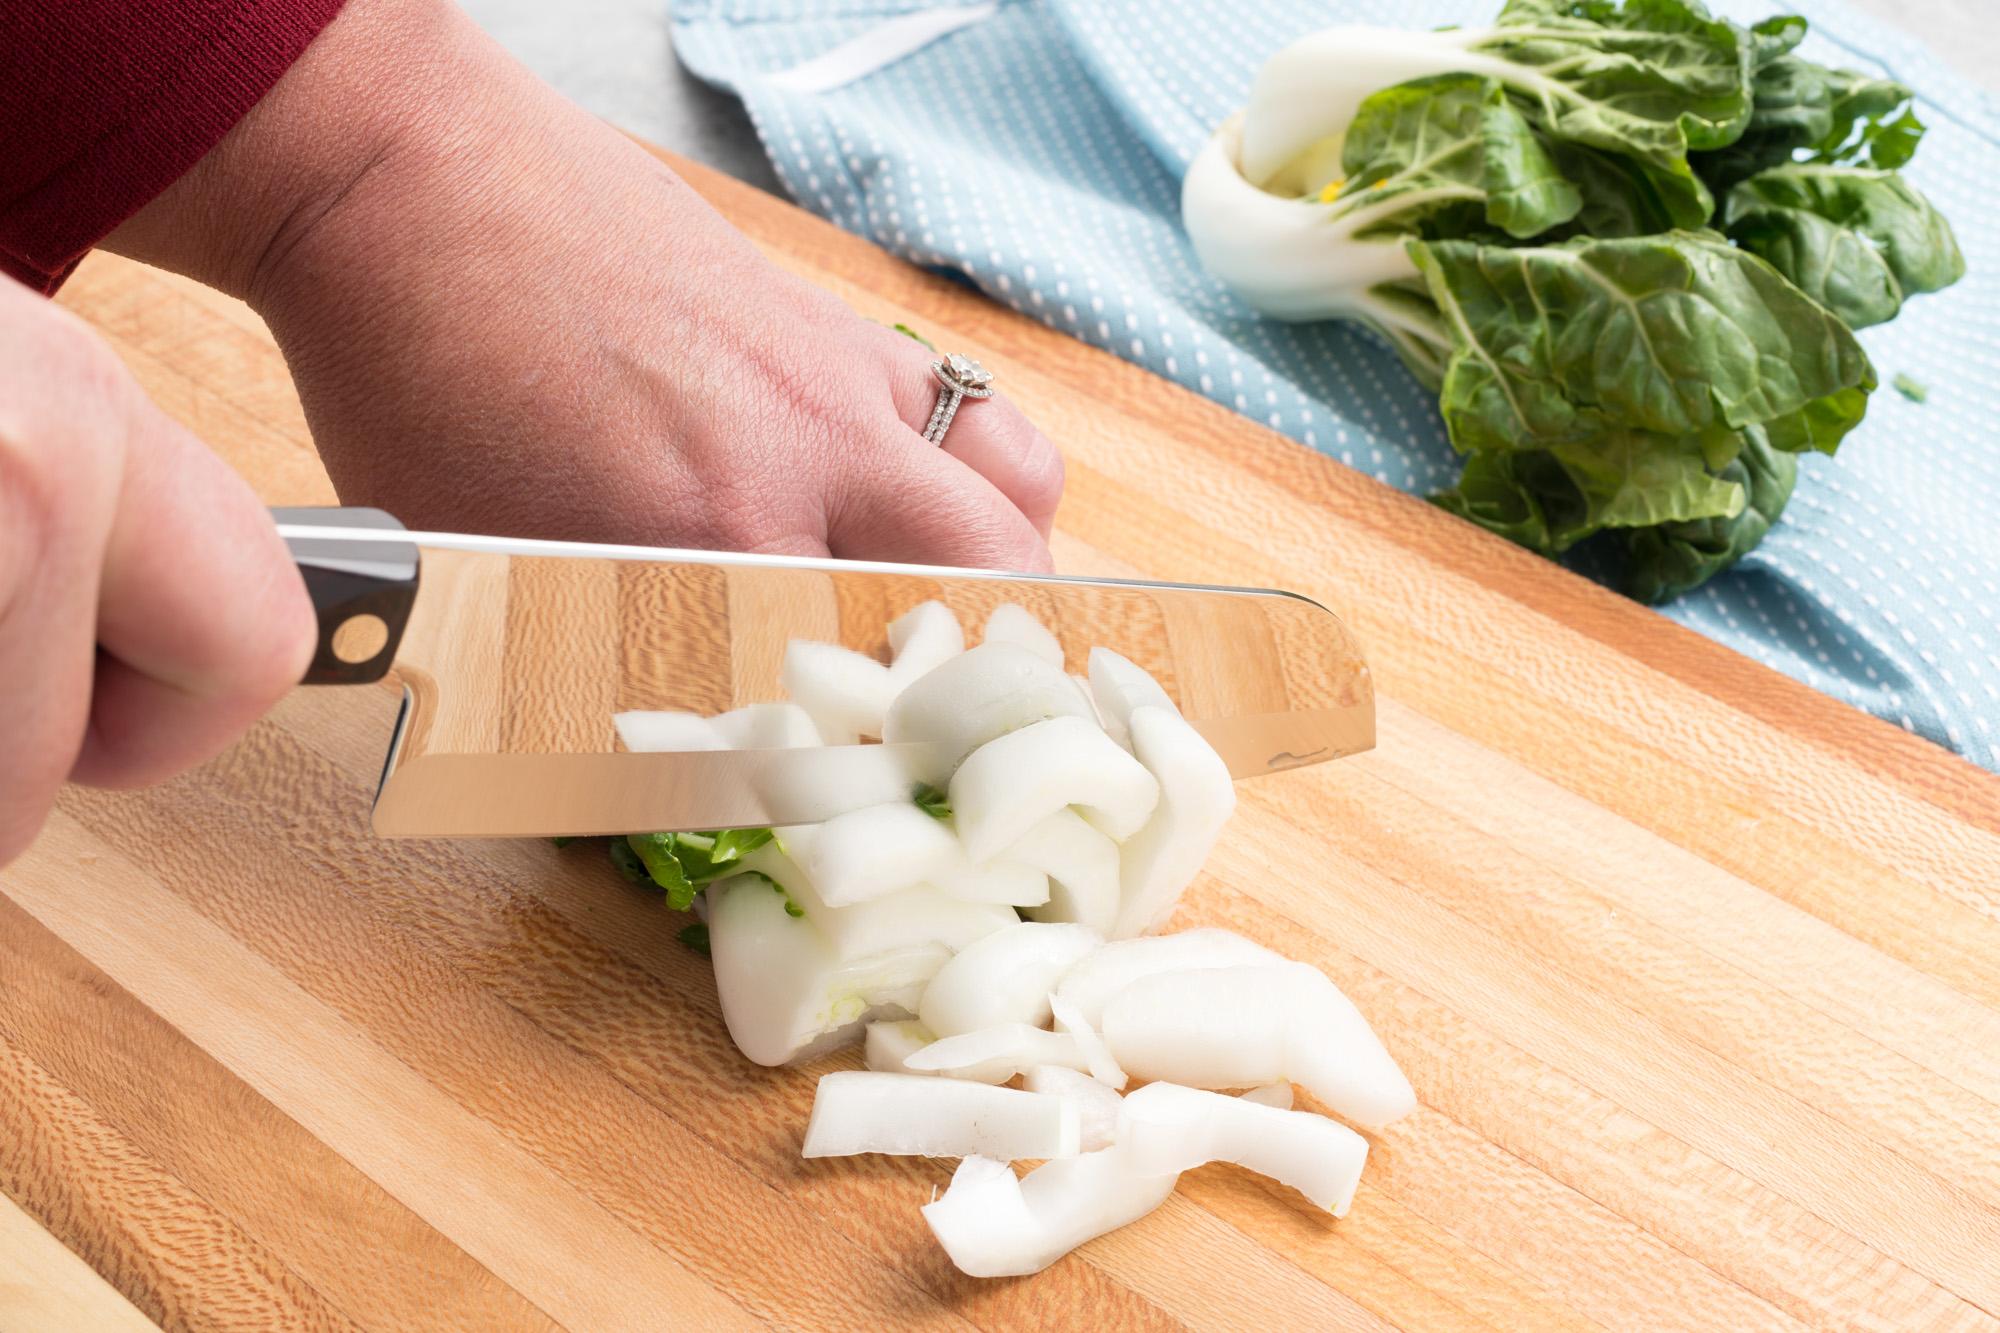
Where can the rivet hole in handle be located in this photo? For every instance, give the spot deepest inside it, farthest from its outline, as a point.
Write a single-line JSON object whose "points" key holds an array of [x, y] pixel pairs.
{"points": [[361, 592]]}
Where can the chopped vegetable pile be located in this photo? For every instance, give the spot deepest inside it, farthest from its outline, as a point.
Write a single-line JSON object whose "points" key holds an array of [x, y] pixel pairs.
{"points": [[990, 931], [1628, 245]]}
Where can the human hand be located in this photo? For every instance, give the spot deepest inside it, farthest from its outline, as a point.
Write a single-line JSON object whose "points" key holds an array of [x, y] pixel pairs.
{"points": [[503, 316], [148, 611]]}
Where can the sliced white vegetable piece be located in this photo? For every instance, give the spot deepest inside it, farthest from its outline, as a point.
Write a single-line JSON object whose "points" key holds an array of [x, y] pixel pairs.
{"points": [[1004, 881], [1096, 1104], [994, 1225], [889, 1043], [922, 639], [1120, 686], [912, 919], [983, 693], [1271, 1094], [1196, 799], [1004, 977], [996, 1054], [1093, 981], [1240, 1027], [909, 1115], [1009, 785], [1016, 624], [782, 726], [1081, 865], [1165, 1127], [785, 992], [869, 853], [1097, 1057], [649, 732], [845, 692]]}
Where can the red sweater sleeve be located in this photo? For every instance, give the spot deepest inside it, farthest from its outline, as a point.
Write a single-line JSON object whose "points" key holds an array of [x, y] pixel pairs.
{"points": [[105, 103]]}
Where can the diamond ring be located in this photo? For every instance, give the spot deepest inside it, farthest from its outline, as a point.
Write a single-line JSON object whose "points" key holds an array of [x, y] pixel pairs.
{"points": [[959, 378]]}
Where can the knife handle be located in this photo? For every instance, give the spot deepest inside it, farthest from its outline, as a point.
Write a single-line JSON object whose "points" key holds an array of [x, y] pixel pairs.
{"points": [[361, 591]]}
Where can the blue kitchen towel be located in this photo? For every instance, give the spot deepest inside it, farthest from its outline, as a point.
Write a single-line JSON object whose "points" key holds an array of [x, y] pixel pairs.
{"points": [[1038, 149]]}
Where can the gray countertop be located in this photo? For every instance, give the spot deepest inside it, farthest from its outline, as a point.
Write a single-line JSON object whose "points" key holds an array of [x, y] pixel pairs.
{"points": [[615, 58]]}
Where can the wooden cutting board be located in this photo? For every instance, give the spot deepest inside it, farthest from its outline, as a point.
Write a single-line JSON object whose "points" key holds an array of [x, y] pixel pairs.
{"points": [[1696, 972]]}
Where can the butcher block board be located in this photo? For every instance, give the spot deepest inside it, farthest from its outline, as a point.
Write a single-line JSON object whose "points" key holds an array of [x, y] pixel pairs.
{"points": [[1696, 972]]}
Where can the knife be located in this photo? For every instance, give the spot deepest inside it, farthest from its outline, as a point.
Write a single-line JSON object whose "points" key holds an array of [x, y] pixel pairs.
{"points": [[514, 656]]}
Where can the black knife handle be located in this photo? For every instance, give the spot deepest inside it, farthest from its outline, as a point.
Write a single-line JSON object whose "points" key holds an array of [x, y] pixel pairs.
{"points": [[361, 591]]}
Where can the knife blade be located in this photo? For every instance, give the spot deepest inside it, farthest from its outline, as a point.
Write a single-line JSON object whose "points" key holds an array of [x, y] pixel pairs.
{"points": [[515, 655]]}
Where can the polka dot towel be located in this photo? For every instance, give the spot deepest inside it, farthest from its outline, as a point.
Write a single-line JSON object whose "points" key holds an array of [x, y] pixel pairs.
{"points": [[1037, 150]]}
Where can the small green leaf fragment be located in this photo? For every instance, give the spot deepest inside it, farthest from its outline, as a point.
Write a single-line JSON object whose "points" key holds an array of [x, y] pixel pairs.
{"points": [[628, 862], [656, 851], [563, 842], [1914, 390], [932, 801], [909, 332], [695, 937]]}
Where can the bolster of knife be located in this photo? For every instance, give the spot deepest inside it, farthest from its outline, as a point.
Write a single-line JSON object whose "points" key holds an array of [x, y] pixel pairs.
{"points": [[361, 591]]}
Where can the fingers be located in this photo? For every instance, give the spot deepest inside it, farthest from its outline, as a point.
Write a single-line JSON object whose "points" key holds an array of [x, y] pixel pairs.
{"points": [[48, 582], [990, 436], [917, 505], [202, 623]]}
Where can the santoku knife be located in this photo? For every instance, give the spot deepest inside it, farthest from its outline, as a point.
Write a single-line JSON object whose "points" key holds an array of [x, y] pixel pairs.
{"points": [[514, 656]]}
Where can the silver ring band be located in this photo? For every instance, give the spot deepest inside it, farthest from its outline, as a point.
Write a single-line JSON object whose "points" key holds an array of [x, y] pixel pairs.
{"points": [[959, 378]]}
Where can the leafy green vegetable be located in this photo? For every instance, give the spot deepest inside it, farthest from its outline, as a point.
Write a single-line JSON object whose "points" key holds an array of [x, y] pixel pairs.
{"points": [[932, 801], [1678, 334], [628, 862], [1856, 240], [682, 863], [1649, 80], [1627, 242], [695, 937], [1664, 561], [1913, 390]]}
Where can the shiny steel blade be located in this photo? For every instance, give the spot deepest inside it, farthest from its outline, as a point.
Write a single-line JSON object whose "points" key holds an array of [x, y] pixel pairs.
{"points": [[518, 654]]}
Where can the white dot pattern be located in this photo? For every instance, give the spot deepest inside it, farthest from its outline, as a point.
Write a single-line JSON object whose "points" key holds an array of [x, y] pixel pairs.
{"points": [[1038, 156]]}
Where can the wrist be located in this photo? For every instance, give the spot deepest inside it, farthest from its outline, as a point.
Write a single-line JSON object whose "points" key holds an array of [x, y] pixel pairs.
{"points": [[378, 74]]}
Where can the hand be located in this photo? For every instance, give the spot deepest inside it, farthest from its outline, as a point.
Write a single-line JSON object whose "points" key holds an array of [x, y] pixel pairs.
{"points": [[503, 316], [148, 611]]}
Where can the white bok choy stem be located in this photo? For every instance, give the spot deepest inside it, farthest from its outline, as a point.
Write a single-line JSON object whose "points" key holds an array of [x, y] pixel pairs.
{"points": [[910, 1115], [1293, 259], [921, 640], [978, 696], [786, 992], [1096, 1104], [1164, 1127], [913, 918], [993, 1224], [1241, 1027], [1196, 799], [889, 1042], [1120, 687], [846, 693], [1009, 785], [1096, 1054], [646, 731], [1271, 1094], [1091, 984], [1004, 977], [875, 851], [1013, 623], [997, 1054], [1081, 866]]}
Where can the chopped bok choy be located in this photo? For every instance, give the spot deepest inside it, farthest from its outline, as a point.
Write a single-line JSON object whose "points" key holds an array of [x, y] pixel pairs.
{"points": [[1085, 805]]}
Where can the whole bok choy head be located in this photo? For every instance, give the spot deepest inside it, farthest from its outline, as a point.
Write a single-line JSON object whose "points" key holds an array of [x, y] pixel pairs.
{"points": [[1626, 243]]}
